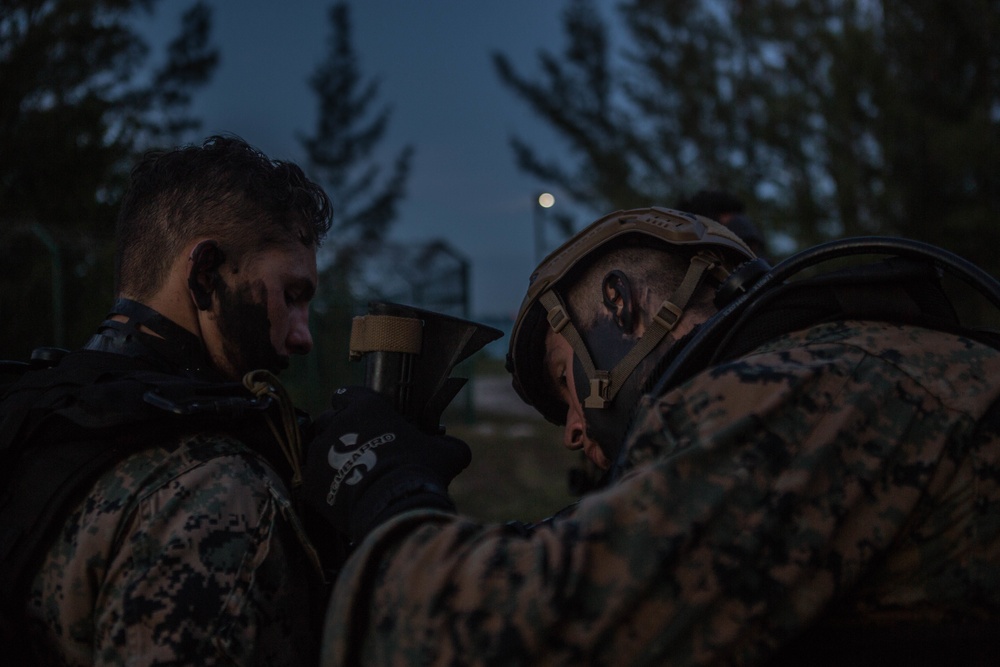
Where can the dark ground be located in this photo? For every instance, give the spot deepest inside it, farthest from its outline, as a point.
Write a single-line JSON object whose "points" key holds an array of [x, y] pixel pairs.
{"points": [[519, 467]]}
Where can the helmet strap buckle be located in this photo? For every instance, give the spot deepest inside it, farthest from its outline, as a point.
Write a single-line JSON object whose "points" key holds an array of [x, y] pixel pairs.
{"points": [[668, 315], [600, 386], [558, 318]]}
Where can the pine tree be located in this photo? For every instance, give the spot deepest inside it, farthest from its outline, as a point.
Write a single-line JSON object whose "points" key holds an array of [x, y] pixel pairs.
{"points": [[829, 118], [75, 109], [342, 156], [576, 97], [342, 149]]}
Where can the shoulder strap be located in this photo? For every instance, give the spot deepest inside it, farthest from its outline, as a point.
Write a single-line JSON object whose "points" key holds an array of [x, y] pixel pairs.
{"points": [[896, 290], [712, 340]]}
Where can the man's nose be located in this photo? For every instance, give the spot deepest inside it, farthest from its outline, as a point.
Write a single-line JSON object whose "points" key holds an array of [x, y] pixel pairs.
{"points": [[299, 337], [574, 430]]}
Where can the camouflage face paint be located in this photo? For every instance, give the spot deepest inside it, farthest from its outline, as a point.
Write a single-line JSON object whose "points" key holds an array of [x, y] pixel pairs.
{"points": [[609, 345], [244, 324]]}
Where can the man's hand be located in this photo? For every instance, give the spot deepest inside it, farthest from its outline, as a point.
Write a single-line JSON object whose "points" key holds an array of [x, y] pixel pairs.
{"points": [[366, 464]]}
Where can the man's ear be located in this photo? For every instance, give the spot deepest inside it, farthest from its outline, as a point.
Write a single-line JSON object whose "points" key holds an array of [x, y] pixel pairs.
{"points": [[618, 300], [206, 258]]}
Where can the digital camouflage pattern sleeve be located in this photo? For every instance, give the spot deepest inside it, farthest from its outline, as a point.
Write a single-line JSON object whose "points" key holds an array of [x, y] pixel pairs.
{"points": [[847, 467], [190, 556]]}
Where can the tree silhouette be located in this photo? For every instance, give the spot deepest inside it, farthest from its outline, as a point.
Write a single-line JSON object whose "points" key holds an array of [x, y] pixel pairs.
{"points": [[78, 101], [342, 149], [829, 118], [342, 156]]}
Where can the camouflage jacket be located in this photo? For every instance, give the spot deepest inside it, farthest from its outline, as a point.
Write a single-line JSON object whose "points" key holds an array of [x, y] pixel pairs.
{"points": [[178, 543], [185, 554], [848, 471]]}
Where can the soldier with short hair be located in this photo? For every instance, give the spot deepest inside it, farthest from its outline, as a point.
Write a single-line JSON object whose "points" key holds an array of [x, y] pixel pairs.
{"points": [[146, 512], [797, 471]]}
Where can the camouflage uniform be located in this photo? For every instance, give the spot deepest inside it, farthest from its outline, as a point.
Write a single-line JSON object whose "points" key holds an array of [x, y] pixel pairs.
{"points": [[850, 471], [188, 554], [186, 548]]}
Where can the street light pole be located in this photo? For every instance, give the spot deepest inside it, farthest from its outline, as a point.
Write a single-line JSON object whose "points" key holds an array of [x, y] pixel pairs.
{"points": [[543, 202]]}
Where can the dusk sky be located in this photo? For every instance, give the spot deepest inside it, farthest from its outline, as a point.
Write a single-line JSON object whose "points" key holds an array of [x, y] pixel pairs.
{"points": [[433, 58]]}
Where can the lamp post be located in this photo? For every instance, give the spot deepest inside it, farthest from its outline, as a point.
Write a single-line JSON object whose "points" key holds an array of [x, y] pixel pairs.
{"points": [[544, 201]]}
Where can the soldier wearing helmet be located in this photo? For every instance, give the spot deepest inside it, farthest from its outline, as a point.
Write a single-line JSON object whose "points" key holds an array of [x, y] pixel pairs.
{"points": [[603, 310], [800, 471]]}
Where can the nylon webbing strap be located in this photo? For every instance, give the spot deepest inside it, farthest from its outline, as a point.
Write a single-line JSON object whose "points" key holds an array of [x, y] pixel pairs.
{"points": [[385, 333], [561, 323], [663, 323], [605, 385]]}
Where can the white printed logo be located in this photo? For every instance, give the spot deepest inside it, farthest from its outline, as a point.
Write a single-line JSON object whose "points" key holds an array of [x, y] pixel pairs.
{"points": [[351, 465]]}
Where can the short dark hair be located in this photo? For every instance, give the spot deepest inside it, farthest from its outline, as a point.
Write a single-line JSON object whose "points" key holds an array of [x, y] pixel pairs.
{"points": [[652, 265], [224, 189]]}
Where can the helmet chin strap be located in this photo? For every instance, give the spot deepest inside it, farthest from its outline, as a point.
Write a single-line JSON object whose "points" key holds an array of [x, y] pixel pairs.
{"points": [[608, 426], [605, 384]]}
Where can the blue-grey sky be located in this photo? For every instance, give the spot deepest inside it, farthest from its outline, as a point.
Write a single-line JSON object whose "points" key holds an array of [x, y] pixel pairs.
{"points": [[433, 58]]}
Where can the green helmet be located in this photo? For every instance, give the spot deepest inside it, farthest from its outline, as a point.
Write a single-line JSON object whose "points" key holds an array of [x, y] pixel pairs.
{"points": [[714, 251]]}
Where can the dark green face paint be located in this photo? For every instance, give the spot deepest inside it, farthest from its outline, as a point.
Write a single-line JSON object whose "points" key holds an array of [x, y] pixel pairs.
{"points": [[246, 328]]}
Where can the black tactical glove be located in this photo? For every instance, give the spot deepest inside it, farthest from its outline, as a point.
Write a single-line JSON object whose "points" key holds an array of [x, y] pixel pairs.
{"points": [[366, 463]]}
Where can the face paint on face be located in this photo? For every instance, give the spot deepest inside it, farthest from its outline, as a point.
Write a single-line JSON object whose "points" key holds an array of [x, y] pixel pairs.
{"points": [[609, 345], [246, 329], [600, 432], [559, 369], [262, 316], [606, 342]]}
